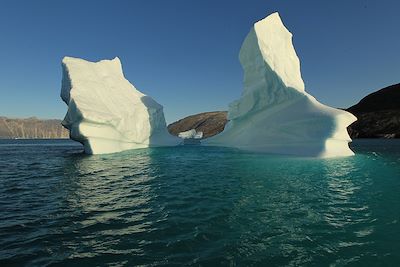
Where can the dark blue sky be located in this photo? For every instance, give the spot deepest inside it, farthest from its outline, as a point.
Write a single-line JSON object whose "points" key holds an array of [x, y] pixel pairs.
{"points": [[184, 54]]}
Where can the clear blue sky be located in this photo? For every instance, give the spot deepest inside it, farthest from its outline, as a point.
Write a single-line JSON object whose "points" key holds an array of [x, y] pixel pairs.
{"points": [[184, 54]]}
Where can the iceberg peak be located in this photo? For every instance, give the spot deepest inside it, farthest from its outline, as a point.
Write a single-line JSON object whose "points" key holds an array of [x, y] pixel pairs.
{"points": [[275, 114], [274, 42]]}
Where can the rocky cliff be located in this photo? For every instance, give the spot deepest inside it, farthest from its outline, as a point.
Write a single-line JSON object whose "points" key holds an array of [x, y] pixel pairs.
{"points": [[31, 128], [378, 114]]}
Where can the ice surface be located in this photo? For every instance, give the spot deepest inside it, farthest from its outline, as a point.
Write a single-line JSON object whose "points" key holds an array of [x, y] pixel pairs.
{"points": [[275, 114], [106, 113]]}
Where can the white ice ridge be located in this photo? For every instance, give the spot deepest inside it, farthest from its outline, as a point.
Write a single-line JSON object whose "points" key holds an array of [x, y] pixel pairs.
{"points": [[275, 114], [106, 113]]}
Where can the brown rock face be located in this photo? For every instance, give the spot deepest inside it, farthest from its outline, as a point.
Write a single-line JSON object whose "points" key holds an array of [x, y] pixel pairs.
{"points": [[31, 128], [210, 123]]}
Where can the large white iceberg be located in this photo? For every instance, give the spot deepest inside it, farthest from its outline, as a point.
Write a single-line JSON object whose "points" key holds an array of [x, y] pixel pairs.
{"points": [[275, 114], [106, 113]]}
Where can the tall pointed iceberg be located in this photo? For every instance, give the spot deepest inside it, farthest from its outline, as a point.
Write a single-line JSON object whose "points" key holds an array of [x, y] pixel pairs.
{"points": [[275, 114], [106, 113]]}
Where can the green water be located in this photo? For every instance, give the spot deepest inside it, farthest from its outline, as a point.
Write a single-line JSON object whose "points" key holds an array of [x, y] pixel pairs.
{"points": [[200, 206]]}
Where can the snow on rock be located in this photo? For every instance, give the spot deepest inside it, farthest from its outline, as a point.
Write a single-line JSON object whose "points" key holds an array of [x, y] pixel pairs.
{"points": [[106, 113], [275, 114]]}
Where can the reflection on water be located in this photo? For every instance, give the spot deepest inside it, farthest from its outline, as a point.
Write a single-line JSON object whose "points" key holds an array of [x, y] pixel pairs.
{"points": [[197, 206], [111, 197], [95, 179], [347, 210], [341, 200]]}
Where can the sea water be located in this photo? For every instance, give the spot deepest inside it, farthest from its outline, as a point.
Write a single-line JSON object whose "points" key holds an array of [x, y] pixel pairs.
{"points": [[193, 205]]}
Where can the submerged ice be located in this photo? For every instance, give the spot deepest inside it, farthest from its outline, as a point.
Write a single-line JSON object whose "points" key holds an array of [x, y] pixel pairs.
{"points": [[275, 114], [106, 113]]}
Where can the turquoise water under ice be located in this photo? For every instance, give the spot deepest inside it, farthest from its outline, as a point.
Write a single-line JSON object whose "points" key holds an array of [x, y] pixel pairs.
{"points": [[200, 206]]}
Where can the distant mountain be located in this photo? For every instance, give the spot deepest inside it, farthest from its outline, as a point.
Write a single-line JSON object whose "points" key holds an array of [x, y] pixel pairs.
{"points": [[210, 123], [378, 114], [378, 117], [31, 128]]}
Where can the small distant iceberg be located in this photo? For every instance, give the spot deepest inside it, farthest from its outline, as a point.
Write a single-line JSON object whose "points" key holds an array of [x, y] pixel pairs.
{"points": [[191, 134], [106, 113], [191, 137], [275, 114]]}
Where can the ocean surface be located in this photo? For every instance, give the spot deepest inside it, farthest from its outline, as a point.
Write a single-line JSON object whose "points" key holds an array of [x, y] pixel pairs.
{"points": [[200, 206]]}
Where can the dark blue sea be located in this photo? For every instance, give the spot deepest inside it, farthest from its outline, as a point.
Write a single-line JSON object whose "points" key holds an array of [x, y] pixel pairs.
{"points": [[199, 206]]}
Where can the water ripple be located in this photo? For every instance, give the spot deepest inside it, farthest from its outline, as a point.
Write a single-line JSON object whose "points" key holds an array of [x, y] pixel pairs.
{"points": [[197, 206]]}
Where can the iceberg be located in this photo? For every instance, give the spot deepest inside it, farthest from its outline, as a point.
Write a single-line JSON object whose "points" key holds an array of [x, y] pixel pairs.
{"points": [[275, 114], [106, 113], [191, 137], [192, 133]]}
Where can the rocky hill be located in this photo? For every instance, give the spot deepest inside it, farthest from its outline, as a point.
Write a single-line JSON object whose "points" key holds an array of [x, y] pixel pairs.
{"points": [[378, 114], [31, 128], [210, 123], [378, 117]]}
